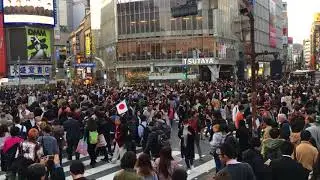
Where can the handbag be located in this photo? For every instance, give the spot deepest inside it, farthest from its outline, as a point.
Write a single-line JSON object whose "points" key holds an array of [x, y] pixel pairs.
{"points": [[82, 148], [101, 141]]}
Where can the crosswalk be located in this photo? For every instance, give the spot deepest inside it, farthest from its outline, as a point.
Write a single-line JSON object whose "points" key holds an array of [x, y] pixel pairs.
{"points": [[106, 171]]}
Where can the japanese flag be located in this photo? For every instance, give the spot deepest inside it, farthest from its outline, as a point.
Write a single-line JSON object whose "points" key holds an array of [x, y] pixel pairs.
{"points": [[122, 107]]}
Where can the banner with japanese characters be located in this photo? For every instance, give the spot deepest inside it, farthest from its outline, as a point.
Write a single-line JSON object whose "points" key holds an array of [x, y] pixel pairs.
{"points": [[30, 70]]}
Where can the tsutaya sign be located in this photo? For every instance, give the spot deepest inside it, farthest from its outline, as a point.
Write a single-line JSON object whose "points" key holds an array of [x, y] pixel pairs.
{"points": [[200, 61]]}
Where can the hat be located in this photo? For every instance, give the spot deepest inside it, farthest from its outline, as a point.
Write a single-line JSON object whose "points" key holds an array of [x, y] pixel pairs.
{"points": [[33, 133]]}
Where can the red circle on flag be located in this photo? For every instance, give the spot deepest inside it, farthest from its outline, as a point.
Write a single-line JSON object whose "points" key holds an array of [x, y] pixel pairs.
{"points": [[122, 106]]}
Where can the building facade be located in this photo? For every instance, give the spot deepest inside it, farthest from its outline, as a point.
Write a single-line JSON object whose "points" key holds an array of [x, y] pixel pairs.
{"points": [[141, 40], [315, 42]]}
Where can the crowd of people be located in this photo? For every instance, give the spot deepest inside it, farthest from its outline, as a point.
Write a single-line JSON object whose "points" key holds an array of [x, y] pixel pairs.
{"points": [[40, 127]]}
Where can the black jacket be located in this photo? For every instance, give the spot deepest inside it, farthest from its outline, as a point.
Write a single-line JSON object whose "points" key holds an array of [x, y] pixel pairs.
{"points": [[187, 149], [255, 159], [287, 168], [73, 129], [152, 143]]}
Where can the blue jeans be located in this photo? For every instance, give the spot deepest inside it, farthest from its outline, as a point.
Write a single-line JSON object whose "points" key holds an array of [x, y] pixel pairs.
{"points": [[217, 162]]}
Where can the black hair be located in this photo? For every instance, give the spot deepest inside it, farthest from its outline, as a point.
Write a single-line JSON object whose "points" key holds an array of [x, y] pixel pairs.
{"points": [[77, 167], [305, 135], [255, 142], [128, 160], [268, 121], [228, 150], [274, 133], [241, 107], [287, 148], [37, 111], [179, 174], [36, 171], [14, 131]]}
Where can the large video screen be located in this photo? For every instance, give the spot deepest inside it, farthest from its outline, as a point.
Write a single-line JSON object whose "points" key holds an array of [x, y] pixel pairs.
{"points": [[29, 11]]}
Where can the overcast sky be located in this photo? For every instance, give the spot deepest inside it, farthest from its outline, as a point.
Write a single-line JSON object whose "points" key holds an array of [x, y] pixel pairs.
{"points": [[300, 14]]}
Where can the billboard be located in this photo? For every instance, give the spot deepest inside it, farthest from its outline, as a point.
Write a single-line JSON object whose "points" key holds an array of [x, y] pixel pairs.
{"points": [[272, 24], [88, 45], [29, 11], [30, 70], [3, 63], [38, 44], [316, 17]]}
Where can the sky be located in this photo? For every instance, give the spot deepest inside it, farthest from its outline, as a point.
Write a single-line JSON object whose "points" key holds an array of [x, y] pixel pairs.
{"points": [[300, 14]]}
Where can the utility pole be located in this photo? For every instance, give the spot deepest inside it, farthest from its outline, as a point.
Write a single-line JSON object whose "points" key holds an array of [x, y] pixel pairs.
{"points": [[19, 75], [253, 70]]}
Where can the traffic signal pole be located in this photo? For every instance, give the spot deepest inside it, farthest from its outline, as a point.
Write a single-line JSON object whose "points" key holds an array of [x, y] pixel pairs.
{"points": [[253, 71]]}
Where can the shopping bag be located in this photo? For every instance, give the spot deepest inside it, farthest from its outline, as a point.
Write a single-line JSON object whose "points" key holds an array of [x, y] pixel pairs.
{"points": [[101, 141], [82, 147]]}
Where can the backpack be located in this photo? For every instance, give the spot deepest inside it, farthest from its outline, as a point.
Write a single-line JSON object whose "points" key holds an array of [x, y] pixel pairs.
{"points": [[93, 137], [163, 139]]}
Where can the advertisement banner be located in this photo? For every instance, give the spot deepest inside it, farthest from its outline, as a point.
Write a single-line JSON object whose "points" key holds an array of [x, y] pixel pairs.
{"points": [[88, 46], [30, 70], [3, 62], [316, 17], [38, 44], [272, 24], [29, 11]]}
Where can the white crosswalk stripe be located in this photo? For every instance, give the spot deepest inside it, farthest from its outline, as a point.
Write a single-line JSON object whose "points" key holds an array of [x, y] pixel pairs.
{"points": [[112, 169]]}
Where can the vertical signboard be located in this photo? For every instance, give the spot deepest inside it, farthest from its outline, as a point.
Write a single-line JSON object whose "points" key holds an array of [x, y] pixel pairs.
{"points": [[272, 24], [38, 44], [88, 44], [3, 62]]}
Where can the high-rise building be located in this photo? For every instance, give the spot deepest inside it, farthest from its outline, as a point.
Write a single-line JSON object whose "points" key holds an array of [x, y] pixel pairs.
{"points": [[141, 40], [269, 28], [315, 42], [307, 52]]}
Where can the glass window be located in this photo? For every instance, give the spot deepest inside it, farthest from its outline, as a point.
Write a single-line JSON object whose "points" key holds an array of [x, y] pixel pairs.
{"points": [[173, 24], [210, 19]]}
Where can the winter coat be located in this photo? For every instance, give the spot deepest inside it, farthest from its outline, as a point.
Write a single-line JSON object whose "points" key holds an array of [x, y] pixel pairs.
{"points": [[187, 141], [271, 148], [217, 141]]}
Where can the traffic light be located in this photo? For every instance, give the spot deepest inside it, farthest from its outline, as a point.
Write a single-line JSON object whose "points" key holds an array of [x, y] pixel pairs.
{"points": [[185, 70]]}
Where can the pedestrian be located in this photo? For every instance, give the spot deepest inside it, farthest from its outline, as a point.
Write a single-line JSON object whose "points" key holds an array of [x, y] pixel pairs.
{"points": [[144, 168], [287, 168], [127, 171], [285, 129], [237, 170], [120, 135], [48, 142], [306, 153], [165, 165], [73, 135], [243, 135], [194, 123], [187, 136], [179, 174], [77, 170], [91, 137], [217, 141], [29, 152], [271, 146], [9, 150], [253, 157], [39, 171]]}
